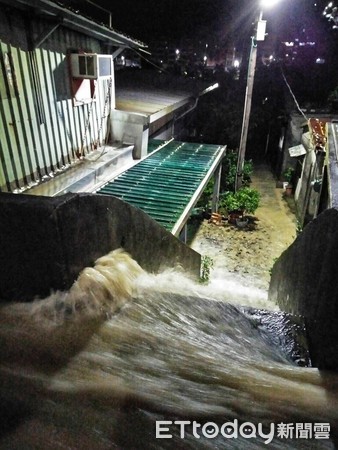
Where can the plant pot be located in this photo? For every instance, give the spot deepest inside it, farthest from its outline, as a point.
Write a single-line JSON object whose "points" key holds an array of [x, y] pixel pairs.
{"points": [[288, 190], [241, 222], [233, 216]]}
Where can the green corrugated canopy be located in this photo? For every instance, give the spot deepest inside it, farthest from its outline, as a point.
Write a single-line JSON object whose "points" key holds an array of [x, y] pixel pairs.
{"points": [[168, 181]]}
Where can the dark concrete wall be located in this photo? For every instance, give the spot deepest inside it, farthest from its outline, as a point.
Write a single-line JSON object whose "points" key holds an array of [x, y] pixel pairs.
{"points": [[45, 242], [304, 281]]}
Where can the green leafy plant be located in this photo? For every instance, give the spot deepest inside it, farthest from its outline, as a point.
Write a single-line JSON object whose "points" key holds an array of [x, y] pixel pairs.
{"points": [[205, 199], [244, 201], [247, 172], [288, 174], [228, 203], [248, 200], [299, 227], [207, 264], [229, 170]]}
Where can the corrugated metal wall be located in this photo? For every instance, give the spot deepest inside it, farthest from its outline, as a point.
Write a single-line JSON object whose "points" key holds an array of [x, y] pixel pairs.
{"points": [[41, 131]]}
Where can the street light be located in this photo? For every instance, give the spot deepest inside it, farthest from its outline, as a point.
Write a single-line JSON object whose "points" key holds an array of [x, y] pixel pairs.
{"points": [[268, 3], [260, 36]]}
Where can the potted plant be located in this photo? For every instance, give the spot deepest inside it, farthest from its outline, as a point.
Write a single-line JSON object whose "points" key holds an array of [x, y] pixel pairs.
{"points": [[238, 204], [228, 206], [248, 201], [288, 177]]}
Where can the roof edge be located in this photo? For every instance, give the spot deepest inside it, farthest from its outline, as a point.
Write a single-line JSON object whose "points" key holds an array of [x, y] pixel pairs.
{"points": [[78, 22]]}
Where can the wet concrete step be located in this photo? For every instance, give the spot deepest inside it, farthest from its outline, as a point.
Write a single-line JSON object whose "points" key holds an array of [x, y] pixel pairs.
{"points": [[86, 175]]}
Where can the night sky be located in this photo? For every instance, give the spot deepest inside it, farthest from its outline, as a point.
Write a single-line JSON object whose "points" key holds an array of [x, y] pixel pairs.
{"points": [[219, 21], [173, 18], [230, 24], [148, 20]]}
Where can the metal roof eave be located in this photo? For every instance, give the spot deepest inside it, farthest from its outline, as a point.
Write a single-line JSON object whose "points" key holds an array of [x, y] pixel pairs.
{"points": [[144, 108], [77, 22], [170, 108]]}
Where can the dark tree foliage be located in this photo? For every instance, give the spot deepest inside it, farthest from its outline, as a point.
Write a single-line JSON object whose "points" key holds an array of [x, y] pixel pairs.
{"points": [[218, 118]]}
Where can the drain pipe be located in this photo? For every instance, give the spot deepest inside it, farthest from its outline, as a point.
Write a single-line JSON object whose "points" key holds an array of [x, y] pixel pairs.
{"points": [[205, 91]]}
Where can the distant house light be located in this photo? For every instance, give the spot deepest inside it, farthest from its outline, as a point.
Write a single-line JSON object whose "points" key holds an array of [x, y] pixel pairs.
{"points": [[289, 44], [320, 61]]}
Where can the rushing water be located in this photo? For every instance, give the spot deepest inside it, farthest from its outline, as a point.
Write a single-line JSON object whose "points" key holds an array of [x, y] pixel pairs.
{"points": [[94, 368]]}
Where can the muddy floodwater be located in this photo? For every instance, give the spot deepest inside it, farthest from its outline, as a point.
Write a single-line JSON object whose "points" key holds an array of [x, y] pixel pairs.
{"points": [[131, 360]]}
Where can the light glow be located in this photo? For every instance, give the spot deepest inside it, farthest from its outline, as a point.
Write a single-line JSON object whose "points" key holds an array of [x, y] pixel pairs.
{"points": [[268, 3]]}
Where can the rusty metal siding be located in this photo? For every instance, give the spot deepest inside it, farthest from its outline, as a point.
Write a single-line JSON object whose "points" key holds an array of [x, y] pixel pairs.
{"points": [[41, 131]]}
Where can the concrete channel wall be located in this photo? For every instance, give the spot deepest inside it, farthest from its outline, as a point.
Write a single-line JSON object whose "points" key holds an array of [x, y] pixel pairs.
{"points": [[46, 241], [304, 281]]}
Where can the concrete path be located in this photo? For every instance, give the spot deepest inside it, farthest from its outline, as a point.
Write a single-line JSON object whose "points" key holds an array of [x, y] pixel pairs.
{"points": [[274, 211]]}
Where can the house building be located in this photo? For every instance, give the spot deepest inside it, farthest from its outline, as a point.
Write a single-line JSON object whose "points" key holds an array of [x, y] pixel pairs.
{"points": [[308, 146], [57, 88], [65, 124], [58, 98]]}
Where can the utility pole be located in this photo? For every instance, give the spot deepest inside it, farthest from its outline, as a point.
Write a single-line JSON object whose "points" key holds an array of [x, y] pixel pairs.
{"points": [[260, 34]]}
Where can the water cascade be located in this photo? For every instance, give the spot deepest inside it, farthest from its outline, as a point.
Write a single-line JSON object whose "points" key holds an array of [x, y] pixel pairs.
{"points": [[95, 367]]}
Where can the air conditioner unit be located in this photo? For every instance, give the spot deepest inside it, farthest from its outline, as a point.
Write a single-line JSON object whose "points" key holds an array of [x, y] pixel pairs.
{"points": [[91, 65]]}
